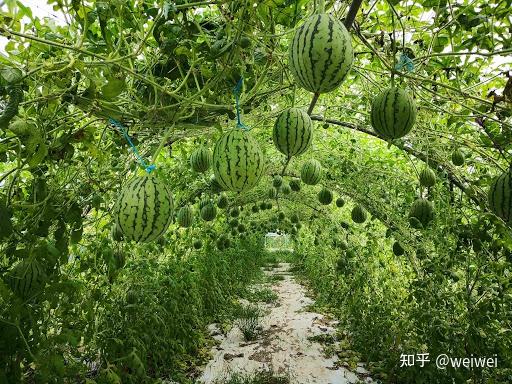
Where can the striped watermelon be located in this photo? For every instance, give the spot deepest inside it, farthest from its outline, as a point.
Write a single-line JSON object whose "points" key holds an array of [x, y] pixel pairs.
{"points": [[358, 214], [272, 193], [277, 181], [321, 53], [215, 187], [458, 158], [325, 196], [421, 213], [197, 244], [208, 212], [292, 133], [201, 160], [427, 177], [340, 202], [285, 189], [222, 202], [185, 216], [393, 113], [311, 172], [144, 209], [295, 185], [238, 162], [499, 196], [27, 278]]}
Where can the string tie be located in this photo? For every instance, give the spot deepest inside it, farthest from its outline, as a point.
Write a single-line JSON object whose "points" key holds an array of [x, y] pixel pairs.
{"points": [[148, 168]]}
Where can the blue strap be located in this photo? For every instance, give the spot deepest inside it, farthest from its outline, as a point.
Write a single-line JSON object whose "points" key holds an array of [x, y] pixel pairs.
{"points": [[121, 127], [406, 62], [237, 90]]}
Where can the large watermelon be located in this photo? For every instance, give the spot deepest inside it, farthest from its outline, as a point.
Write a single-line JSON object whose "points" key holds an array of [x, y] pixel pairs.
{"points": [[421, 213], [27, 278], [321, 53], [144, 209], [238, 162], [393, 113], [293, 132], [311, 172], [201, 160], [185, 216], [499, 196]]}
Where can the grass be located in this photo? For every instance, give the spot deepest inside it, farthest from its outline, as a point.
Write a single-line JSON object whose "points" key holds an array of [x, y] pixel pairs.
{"points": [[248, 321], [273, 278], [265, 295], [263, 377]]}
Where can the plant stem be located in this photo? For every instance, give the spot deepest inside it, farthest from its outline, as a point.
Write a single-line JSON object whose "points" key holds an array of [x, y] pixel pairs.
{"points": [[316, 95]]}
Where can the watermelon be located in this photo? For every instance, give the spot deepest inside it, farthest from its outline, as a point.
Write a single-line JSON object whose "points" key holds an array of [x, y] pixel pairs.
{"points": [[185, 216], [325, 196], [241, 228], [311, 172], [397, 249], [204, 202], [358, 214], [393, 113], [27, 278], [10, 109], [281, 216], [208, 212], [238, 162], [295, 185], [144, 208], [234, 212], [421, 213], [321, 53], [214, 185], [427, 177], [458, 158], [293, 132], [272, 193], [197, 244], [499, 196], [222, 201], [340, 202], [255, 209], [285, 189], [116, 233], [201, 160], [277, 181]]}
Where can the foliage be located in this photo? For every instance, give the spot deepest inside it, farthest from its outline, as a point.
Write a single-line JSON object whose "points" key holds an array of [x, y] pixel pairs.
{"points": [[165, 71]]}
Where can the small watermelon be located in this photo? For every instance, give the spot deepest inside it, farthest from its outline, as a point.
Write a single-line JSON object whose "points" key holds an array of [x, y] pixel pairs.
{"points": [[499, 196], [421, 213], [295, 185], [393, 113], [185, 217], [358, 214], [208, 212], [277, 181], [325, 196], [222, 201], [201, 160], [311, 172], [238, 162], [427, 177], [458, 158], [293, 132], [144, 209], [340, 202]]}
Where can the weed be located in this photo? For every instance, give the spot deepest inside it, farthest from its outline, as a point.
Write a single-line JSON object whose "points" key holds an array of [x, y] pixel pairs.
{"points": [[265, 295], [249, 321], [263, 377]]}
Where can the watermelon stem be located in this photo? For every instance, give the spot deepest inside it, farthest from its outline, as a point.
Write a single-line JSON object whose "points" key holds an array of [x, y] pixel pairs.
{"points": [[316, 95]]}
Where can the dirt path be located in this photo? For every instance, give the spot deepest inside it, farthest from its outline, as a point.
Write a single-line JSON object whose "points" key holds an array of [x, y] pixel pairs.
{"points": [[284, 346]]}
